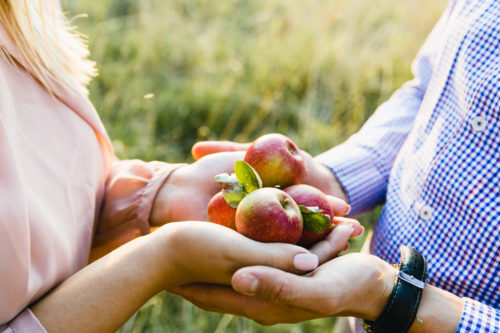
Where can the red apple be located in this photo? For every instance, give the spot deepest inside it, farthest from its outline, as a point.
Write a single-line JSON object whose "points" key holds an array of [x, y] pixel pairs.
{"points": [[219, 211], [310, 196], [269, 215], [277, 160]]}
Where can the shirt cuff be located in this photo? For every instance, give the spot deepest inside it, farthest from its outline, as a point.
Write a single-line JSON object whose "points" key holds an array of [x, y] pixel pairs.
{"points": [[130, 193], [478, 317], [24, 322], [357, 172]]}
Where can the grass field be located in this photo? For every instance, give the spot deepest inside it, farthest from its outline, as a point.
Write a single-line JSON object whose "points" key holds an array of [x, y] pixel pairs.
{"points": [[175, 72]]}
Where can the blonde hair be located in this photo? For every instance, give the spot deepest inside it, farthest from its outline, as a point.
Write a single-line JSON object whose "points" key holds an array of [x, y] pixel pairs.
{"points": [[55, 54]]}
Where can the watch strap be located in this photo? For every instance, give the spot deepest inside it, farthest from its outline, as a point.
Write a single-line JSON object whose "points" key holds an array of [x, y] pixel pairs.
{"points": [[402, 306]]}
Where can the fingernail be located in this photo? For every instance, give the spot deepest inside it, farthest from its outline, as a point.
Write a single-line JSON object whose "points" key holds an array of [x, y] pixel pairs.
{"points": [[345, 227], [348, 209], [362, 231], [305, 261], [246, 284]]}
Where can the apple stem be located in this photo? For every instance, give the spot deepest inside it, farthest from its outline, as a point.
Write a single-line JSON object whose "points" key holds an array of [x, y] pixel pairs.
{"points": [[285, 203]]}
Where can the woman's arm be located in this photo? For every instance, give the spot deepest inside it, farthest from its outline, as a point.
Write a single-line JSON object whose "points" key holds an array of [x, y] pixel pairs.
{"points": [[142, 194], [103, 295], [130, 190]]}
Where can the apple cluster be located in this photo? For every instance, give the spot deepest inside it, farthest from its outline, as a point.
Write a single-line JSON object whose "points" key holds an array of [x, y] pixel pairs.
{"points": [[265, 200]]}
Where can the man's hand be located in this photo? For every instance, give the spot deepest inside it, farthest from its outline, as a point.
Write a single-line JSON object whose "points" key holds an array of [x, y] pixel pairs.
{"points": [[354, 284]]}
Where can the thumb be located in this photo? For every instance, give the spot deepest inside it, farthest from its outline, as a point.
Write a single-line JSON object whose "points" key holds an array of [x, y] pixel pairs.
{"points": [[276, 286], [204, 148]]}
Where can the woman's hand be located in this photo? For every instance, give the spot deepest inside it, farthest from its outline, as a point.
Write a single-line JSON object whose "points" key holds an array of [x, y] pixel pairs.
{"points": [[187, 191], [209, 253], [354, 284], [186, 194], [268, 308], [104, 294], [319, 176]]}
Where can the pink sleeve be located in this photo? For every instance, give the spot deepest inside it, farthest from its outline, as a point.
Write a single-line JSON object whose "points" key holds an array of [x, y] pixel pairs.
{"points": [[130, 192], [24, 322]]}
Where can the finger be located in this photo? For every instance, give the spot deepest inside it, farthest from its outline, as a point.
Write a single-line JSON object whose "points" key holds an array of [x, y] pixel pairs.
{"points": [[358, 228], [336, 242], [211, 165], [285, 257], [231, 251], [215, 298], [339, 206], [225, 300], [278, 287], [204, 148]]}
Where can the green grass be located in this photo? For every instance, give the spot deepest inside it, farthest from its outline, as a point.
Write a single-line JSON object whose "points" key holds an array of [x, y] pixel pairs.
{"points": [[233, 70]]}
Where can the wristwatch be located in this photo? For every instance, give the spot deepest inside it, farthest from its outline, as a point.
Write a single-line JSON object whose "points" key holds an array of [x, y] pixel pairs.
{"points": [[402, 306]]}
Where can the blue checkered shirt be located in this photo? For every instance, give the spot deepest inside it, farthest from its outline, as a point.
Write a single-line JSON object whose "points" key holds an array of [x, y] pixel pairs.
{"points": [[432, 154]]}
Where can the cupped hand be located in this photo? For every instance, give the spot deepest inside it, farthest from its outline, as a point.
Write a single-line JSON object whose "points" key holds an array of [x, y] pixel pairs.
{"points": [[194, 252], [224, 299], [355, 285], [318, 176], [187, 191]]}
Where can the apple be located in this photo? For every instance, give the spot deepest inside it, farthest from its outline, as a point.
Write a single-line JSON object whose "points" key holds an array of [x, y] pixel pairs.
{"points": [[220, 212], [269, 215], [277, 160], [310, 196]]}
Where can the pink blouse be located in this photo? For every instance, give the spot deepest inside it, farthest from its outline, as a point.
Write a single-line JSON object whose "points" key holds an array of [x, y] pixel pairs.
{"points": [[61, 190]]}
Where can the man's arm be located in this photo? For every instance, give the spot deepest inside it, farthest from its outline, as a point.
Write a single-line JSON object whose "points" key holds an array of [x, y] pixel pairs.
{"points": [[363, 163]]}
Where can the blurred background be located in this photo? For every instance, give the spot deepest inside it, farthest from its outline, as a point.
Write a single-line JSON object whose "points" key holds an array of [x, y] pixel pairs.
{"points": [[173, 72]]}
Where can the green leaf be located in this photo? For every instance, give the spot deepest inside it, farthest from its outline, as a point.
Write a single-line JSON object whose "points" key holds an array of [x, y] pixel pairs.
{"points": [[234, 197], [247, 176], [232, 191], [314, 219]]}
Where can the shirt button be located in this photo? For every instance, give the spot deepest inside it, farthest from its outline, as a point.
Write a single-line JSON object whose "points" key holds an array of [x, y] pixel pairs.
{"points": [[478, 124], [425, 213]]}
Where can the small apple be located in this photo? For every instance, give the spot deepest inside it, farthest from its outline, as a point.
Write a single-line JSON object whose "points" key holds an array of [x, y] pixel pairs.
{"points": [[309, 196], [269, 215], [277, 160], [220, 212]]}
